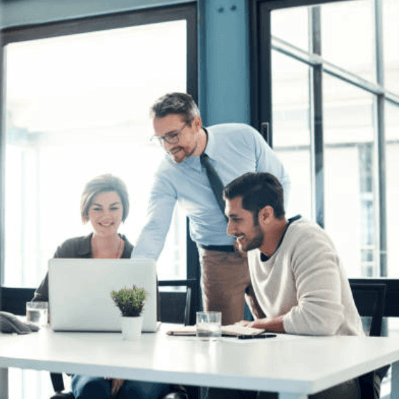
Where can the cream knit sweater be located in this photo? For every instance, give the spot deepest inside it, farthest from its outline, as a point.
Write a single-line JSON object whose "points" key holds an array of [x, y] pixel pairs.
{"points": [[305, 281]]}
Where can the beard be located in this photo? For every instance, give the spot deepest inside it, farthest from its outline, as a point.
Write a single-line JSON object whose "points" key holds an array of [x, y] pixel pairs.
{"points": [[255, 242], [184, 152]]}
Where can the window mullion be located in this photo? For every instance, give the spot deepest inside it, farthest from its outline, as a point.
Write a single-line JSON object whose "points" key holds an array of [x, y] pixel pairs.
{"points": [[2, 169], [380, 167], [316, 115]]}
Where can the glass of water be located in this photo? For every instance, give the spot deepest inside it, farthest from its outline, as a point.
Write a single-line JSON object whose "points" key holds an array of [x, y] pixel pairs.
{"points": [[37, 312], [209, 325]]}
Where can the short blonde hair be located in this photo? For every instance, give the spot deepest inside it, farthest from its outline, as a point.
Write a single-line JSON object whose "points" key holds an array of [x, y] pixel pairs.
{"points": [[103, 184]]}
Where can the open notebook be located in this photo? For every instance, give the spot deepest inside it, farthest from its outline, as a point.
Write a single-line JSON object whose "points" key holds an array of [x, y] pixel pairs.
{"points": [[230, 330]]}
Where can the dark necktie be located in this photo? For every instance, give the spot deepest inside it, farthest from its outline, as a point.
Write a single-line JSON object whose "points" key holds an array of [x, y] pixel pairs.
{"points": [[214, 180]]}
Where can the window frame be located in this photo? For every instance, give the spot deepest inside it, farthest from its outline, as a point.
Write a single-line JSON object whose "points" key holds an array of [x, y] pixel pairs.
{"points": [[91, 24], [261, 46]]}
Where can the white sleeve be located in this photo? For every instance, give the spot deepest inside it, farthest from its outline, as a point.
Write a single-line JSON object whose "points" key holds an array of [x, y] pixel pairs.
{"points": [[318, 284], [159, 215]]}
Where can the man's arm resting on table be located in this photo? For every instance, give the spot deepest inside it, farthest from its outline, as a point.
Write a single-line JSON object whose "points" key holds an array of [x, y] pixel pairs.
{"points": [[274, 323]]}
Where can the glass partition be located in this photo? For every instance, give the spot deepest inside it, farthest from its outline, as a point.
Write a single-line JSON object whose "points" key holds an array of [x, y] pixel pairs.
{"points": [[335, 91], [390, 34], [347, 36], [297, 20], [77, 107], [392, 167], [349, 174], [291, 132], [352, 145]]}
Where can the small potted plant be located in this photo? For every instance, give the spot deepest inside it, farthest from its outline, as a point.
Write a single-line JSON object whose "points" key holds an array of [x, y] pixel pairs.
{"points": [[130, 302]]}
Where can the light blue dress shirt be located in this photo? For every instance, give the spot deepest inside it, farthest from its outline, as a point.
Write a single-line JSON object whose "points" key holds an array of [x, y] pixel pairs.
{"points": [[233, 149]]}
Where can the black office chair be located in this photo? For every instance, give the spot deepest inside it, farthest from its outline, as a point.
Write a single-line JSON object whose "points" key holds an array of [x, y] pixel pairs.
{"points": [[13, 300], [370, 302], [174, 307], [177, 306]]}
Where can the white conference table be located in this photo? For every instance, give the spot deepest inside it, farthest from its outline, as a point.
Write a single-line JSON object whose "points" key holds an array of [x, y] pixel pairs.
{"points": [[293, 366]]}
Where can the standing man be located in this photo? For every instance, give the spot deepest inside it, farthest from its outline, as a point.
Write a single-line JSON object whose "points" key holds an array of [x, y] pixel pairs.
{"points": [[198, 163]]}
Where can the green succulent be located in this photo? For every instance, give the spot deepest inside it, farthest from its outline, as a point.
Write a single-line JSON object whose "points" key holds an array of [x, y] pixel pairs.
{"points": [[130, 301]]}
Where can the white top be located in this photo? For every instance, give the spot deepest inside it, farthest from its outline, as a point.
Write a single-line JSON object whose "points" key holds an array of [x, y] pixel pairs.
{"points": [[305, 281], [291, 364]]}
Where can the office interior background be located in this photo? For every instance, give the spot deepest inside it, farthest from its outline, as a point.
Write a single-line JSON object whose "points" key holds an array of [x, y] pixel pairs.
{"points": [[319, 79]]}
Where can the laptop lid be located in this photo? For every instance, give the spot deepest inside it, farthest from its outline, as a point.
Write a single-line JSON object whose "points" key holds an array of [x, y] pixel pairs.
{"points": [[80, 292]]}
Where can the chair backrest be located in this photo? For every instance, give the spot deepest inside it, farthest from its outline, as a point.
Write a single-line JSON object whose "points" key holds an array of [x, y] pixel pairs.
{"points": [[370, 302], [14, 300], [392, 295], [177, 306]]}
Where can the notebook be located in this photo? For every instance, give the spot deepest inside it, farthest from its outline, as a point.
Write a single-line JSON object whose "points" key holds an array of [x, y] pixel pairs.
{"points": [[80, 292], [232, 330]]}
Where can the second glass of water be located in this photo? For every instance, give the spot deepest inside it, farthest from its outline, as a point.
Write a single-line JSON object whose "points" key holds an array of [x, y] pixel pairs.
{"points": [[37, 312], [209, 325]]}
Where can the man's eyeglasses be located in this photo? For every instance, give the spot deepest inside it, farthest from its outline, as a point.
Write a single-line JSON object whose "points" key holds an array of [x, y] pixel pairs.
{"points": [[170, 138]]}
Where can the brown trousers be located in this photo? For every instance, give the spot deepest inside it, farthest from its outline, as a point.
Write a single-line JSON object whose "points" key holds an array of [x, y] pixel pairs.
{"points": [[226, 284]]}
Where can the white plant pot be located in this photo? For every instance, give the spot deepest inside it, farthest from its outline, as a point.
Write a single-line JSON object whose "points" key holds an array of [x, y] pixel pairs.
{"points": [[131, 328]]}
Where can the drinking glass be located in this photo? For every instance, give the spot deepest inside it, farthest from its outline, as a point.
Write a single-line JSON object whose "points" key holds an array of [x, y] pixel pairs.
{"points": [[37, 312], [208, 325]]}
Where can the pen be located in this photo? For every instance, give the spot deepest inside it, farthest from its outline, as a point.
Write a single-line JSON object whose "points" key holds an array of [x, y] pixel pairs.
{"points": [[257, 336]]}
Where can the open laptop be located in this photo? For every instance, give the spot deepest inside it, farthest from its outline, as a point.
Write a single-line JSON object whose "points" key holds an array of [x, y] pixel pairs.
{"points": [[80, 292]]}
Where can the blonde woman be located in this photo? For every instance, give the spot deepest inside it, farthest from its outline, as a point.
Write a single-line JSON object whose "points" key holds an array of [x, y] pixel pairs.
{"points": [[105, 204]]}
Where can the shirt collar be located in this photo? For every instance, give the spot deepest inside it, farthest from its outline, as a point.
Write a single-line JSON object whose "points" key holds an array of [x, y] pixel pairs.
{"points": [[210, 148]]}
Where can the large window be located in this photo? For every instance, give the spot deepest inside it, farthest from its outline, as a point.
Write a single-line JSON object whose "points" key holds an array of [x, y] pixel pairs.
{"points": [[328, 85], [332, 101], [77, 100], [349, 153], [291, 120], [77, 106]]}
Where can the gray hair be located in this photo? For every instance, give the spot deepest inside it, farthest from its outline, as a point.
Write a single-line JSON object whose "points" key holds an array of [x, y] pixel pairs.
{"points": [[175, 103], [103, 184]]}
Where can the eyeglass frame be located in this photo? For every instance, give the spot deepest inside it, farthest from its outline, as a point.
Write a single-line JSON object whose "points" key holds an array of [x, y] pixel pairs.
{"points": [[176, 138]]}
